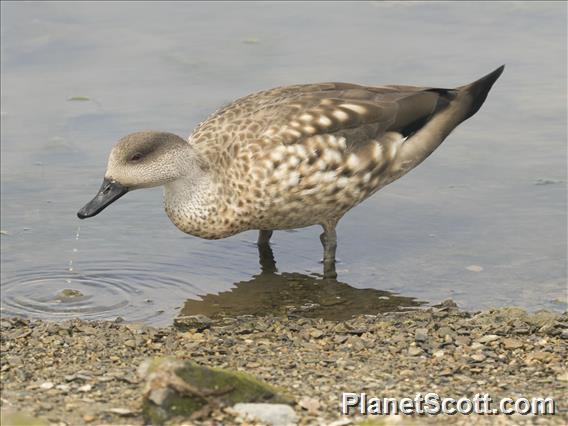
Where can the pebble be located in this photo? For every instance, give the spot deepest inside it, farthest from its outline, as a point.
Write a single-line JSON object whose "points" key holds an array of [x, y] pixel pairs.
{"points": [[69, 293], [445, 331], [316, 334], [414, 351], [89, 418], [273, 414], [121, 411], [312, 405], [463, 340], [474, 268], [340, 339], [488, 338], [46, 385], [541, 356], [421, 334], [511, 343], [192, 322], [312, 359], [84, 388], [477, 346], [478, 357]]}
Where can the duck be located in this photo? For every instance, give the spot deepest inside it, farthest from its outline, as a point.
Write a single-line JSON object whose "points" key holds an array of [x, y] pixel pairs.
{"points": [[289, 157]]}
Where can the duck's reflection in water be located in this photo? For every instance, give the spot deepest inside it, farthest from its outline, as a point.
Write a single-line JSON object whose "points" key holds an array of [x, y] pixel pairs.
{"points": [[295, 295]]}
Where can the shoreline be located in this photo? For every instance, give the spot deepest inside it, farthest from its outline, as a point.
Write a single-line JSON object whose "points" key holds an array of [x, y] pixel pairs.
{"points": [[85, 372]]}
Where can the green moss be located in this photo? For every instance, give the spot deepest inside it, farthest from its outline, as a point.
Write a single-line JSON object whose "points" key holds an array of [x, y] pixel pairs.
{"points": [[226, 386], [231, 386], [22, 419]]}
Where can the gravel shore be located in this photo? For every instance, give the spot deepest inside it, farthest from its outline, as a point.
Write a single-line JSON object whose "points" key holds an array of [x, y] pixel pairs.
{"points": [[78, 372]]}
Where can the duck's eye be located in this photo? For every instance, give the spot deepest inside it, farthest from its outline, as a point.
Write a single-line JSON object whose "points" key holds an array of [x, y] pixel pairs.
{"points": [[136, 157]]}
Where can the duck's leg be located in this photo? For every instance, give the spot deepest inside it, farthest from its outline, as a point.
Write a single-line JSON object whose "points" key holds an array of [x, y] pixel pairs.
{"points": [[264, 237], [329, 242], [266, 259]]}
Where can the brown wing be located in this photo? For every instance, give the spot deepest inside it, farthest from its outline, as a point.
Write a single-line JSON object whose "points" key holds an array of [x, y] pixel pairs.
{"points": [[359, 114], [289, 115]]}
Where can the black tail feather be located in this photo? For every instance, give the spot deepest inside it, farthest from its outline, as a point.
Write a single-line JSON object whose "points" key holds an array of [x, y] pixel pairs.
{"points": [[479, 89]]}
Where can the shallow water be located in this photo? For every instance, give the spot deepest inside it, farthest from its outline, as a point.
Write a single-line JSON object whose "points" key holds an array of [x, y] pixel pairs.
{"points": [[483, 221]]}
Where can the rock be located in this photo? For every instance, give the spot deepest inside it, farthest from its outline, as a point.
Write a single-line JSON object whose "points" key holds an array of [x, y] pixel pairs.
{"points": [[179, 388], [542, 318], [445, 331], [272, 414], [85, 388], [421, 334], [414, 351], [502, 314], [474, 268], [159, 396], [315, 333], [192, 322], [121, 411], [475, 346], [63, 387], [46, 385], [447, 304], [540, 356], [69, 293], [89, 418], [15, 361], [488, 338], [511, 343], [358, 345], [73, 377], [463, 340], [312, 405], [478, 357]]}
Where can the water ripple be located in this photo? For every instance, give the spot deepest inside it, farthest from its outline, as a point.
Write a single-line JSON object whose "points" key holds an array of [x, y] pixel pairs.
{"points": [[97, 290]]}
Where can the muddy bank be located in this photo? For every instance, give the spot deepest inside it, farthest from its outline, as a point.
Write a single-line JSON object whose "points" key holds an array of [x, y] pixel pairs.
{"points": [[79, 372]]}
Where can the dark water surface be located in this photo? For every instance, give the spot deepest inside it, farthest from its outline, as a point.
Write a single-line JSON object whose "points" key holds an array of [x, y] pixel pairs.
{"points": [[483, 221]]}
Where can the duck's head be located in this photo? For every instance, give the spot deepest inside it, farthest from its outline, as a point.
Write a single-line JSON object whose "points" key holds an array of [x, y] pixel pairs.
{"points": [[140, 160]]}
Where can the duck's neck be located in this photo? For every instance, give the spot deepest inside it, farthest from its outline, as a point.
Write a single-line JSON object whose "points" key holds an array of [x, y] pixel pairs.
{"points": [[189, 203]]}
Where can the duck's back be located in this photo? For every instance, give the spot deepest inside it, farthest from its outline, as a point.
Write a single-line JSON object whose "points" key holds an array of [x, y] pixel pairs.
{"points": [[292, 113]]}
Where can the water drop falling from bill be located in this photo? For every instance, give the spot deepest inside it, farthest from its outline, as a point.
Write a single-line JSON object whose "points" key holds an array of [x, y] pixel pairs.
{"points": [[75, 250]]}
